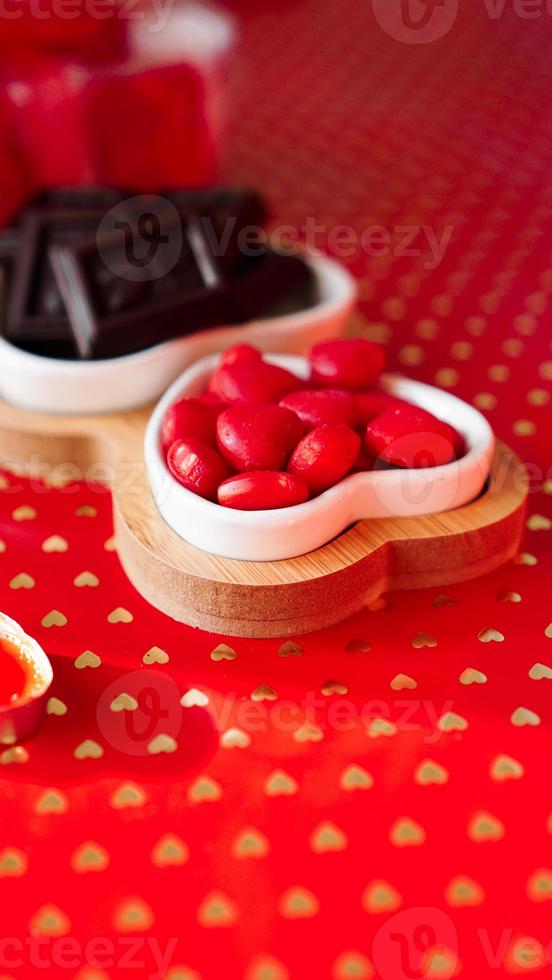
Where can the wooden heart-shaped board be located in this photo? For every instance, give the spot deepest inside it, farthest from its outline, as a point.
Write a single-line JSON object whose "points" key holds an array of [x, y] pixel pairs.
{"points": [[265, 599]]}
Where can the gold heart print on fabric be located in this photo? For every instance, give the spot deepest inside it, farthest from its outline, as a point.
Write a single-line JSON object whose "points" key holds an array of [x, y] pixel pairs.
{"points": [[506, 596], [223, 652], [16, 755], [355, 777], [524, 716], [89, 749], [485, 827], [54, 544], [402, 682], [490, 635], [423, 640], [463, 891], [155, 655], [217, 910], [133, 915], [194, 699], [309, 732], [123, 702], [162, 743], [452, 722], [54, 618], [204, 790], [13, 863], [327, 837], [51, 801], [86, 579], [406, 833], [298, 903], [128, 795], [334, 687], [120, 615], [539, 886], [24, 514], [87, 659], [503, 767], [56, 707], [279, 783], [472, 676], [50, 921], [537, 522], [234, 738], [429, 773], [540, 672], [22, 581], [290, 649], [90, 856], [525, 558], [170, 851], [380, 896], [264, 693], [250, 843]]}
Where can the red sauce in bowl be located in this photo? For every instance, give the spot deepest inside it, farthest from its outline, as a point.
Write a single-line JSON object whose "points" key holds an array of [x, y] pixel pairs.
{"points": [[13, 676]]}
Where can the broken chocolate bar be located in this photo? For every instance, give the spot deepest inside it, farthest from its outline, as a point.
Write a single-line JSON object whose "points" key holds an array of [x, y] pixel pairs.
{"points": [[112, 314], [267, 280], [225, 214]]}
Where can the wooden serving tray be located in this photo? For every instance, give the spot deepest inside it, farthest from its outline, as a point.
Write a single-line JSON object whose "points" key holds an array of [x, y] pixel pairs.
{"points": [[266, 599]]}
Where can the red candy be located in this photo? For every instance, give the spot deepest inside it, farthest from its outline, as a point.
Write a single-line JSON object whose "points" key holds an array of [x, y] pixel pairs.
{"points": [[194, 417], [322, 406], [252, 380], [369, 404], [410, 437], [258, 436], [197, 467], [325, 456], [241, 352], [351, 364], [262, 490]]}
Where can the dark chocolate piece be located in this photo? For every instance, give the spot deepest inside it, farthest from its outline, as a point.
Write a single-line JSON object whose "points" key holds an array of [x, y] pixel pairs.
{"points": [[269, 280], [224, 213], [79, 198], [192, 296]]}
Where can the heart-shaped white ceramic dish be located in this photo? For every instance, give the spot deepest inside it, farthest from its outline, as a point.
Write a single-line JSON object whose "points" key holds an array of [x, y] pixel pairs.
{"points": [[273, 535], [45, 384]]}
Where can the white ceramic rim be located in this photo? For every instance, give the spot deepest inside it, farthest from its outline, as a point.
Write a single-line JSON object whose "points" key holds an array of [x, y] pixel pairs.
{"points": [[266, 535], [58, 386]]}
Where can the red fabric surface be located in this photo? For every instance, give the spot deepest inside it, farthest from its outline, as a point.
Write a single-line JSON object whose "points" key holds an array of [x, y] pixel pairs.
{"points": [[277, 876]]}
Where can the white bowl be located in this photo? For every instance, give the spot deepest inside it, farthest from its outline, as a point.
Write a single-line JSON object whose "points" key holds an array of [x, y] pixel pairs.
{"points": [[272, 535], [45, 384]]}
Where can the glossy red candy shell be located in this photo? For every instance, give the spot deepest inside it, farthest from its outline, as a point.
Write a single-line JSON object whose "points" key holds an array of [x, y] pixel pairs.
{"points": [[352, 363], [322, 406], [258, 436], [262, 490], [408, 436], [252, 380], [197, 467], [325, 456], [187, 417]]}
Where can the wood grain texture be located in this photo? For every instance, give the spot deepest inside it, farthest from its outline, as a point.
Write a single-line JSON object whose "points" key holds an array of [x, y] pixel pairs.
{"points": [[263, 599]]}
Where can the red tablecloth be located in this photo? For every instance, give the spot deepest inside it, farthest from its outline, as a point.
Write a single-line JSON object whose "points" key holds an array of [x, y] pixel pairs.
{"points": [[277, 840]]}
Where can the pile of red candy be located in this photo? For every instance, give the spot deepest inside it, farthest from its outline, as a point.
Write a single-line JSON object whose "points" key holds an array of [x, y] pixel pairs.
{"points": [[260, 438]]}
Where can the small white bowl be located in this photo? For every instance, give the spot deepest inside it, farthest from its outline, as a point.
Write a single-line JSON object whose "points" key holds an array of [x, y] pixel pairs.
{"points": [[59, 387], [273, 535]]}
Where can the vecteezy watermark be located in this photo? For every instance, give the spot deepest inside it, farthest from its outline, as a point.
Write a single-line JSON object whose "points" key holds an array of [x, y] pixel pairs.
{"points": [[425, 21], [138, 708], [157, 12], [407, 945], [139, 953], [142, 238], [415, 21]]}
